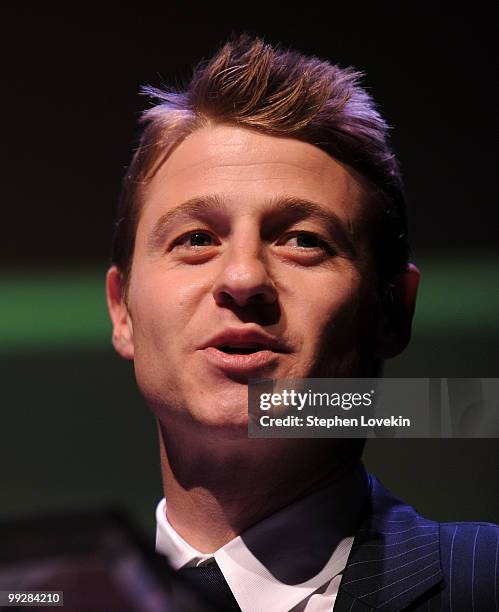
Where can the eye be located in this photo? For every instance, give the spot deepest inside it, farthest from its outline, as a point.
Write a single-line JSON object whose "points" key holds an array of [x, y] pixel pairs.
{"points": [[306, 240], [195, 239]]}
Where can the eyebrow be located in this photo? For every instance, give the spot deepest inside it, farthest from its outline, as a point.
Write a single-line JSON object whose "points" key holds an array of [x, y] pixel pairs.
{"points": [[279, 210], [198, 207], [291, 209]]}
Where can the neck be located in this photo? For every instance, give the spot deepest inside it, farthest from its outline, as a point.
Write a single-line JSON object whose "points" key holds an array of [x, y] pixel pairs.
{"points": [[216, 490]]}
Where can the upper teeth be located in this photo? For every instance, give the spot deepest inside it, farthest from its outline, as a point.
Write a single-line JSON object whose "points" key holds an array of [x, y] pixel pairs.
{"points": [[243, 347]]}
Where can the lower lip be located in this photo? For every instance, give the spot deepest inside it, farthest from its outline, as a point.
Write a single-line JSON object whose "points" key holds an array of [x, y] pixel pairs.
{"points": [[239, 363]]}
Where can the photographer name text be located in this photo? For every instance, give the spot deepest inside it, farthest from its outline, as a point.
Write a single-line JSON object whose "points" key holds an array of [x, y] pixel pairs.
{"points": [[336, 421]]}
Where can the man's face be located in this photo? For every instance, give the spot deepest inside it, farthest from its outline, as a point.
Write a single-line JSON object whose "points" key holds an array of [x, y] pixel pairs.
{"points": [[252, 260]]}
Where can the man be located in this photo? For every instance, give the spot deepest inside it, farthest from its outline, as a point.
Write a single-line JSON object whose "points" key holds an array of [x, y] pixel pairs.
{"points": [[262, 234]]}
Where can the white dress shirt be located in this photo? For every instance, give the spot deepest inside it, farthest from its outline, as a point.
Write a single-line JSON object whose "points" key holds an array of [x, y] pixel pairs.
{"points": [[292, 560]]}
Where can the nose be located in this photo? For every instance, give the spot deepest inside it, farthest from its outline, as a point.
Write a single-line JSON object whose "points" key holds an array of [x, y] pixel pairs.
{"points": [[244, 278]]}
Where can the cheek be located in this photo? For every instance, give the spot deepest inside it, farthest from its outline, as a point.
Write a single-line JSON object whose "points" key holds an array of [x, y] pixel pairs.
{"points": [[329, 301], [161, 308]]}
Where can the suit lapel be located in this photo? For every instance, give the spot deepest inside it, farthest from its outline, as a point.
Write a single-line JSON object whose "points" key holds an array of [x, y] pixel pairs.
{"points": [[395, 557]]}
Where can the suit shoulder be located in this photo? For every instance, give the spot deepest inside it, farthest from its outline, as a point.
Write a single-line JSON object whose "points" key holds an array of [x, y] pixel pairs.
{"points": [[468, 529], [475, 541], [469, 560]]}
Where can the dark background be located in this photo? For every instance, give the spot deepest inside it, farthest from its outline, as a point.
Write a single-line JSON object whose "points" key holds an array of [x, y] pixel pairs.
{"points": [[74, 431]]}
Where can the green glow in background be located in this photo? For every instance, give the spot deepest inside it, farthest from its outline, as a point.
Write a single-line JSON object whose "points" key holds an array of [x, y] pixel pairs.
{"points": [[67, 309]]}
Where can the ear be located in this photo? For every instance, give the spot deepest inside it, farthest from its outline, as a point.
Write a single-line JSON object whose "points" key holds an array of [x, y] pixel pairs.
{"points": [[118, 311], [397, 310]]}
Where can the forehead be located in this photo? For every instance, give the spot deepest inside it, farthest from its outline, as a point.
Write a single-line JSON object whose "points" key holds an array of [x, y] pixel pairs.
{"points": [[247, 169]]}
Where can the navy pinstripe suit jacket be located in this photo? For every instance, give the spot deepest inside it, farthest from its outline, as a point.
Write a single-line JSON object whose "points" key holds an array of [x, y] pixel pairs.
{"points": [[403, 561]]}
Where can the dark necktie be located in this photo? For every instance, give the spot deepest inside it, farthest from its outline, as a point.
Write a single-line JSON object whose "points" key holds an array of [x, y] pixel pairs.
{"points": [[209, 581]]}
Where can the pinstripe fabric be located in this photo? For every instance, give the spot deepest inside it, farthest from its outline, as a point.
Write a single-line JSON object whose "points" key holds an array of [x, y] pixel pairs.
{"points": [[403, 561]]}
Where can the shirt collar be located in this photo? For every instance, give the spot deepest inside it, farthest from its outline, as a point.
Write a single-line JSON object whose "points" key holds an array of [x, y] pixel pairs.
{"points": [[168, 542], [285, 558]]}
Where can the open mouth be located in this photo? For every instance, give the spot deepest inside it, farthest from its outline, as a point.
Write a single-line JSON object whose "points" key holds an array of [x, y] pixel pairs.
{"points": [[241, 356], [230, 349]]}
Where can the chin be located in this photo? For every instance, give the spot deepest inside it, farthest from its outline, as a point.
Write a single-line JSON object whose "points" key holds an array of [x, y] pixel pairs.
{"points": [[229, 411], [224, 426]]}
